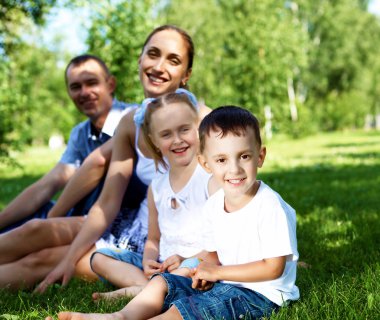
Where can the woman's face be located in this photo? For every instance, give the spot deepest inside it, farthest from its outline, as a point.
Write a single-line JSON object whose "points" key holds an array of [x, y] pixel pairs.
{"points": [[163, 63]]}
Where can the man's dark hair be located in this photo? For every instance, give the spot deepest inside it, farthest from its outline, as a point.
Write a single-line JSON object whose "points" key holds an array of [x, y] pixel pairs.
{"points": [[78, 60]]}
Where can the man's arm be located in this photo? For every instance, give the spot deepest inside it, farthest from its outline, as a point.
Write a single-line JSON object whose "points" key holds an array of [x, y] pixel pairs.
{"points": [[85, 179], [36, 195]]}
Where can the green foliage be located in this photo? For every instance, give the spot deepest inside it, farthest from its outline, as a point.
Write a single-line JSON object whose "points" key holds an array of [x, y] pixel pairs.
{"points": [[117, 34]]}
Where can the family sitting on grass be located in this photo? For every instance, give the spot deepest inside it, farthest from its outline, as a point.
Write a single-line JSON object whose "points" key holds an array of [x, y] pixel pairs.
{"points": [[220, 243]]}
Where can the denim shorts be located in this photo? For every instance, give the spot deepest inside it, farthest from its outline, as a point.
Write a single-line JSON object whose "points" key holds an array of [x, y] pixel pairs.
{"points": [[222, 301], [124, 255]]}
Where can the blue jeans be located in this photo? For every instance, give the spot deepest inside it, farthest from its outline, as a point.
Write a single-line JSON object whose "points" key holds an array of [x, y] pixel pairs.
{"points": [[123, 255], [222, 301]]}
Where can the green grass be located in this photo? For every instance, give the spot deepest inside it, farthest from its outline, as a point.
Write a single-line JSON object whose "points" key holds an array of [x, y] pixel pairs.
{"points": [[332, 180]]}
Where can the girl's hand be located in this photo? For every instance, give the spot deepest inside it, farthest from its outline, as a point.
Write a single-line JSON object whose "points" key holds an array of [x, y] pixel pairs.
{"points": [[151, 267], [172, 263]]}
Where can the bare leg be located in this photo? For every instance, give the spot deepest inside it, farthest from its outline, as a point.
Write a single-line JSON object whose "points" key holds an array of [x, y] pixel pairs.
{"points": [[38, 234], [26, 272], [171, 314], [31, 269], [131, 291], [119, 273], [148, 303], [83, 268]]}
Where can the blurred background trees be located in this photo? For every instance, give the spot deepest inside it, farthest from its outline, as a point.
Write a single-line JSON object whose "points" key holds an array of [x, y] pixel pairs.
{"points": [[313, 64]]}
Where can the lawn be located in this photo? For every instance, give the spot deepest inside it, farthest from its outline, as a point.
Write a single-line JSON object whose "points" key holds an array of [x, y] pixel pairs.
{"points": [[333, 182]]}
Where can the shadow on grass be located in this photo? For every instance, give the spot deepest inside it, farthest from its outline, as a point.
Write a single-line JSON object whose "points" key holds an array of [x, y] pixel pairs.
{"points": [[338, 223]]}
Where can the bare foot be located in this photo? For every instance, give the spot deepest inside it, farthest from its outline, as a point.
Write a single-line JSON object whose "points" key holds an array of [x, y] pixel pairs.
{"points": [[117, 294], [87, 316], [304, 265]]}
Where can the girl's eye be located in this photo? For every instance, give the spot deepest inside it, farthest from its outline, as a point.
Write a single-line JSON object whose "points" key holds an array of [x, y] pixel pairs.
{"points": [[221, 160]]}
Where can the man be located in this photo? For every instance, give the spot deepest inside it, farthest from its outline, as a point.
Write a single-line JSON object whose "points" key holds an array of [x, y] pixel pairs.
{"points": [[90, 86]]}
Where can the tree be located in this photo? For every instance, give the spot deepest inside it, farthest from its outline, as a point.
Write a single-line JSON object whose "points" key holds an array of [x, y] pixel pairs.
{"points": [[117, 35]]}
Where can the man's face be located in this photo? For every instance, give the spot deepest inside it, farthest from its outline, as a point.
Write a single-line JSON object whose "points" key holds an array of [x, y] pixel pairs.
{"points": [[90, 89]]}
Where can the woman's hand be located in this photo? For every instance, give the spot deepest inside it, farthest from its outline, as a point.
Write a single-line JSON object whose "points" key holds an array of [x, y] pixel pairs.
{"points": [[63, 271]]}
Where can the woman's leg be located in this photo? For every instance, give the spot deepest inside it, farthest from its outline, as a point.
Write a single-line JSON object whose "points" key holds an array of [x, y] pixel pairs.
{"points": [[38, 234], [83, 268], [28, 271]]}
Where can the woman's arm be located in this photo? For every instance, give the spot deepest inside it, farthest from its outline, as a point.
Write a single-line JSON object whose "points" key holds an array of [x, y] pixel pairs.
{"points": [[106, 208], [85, 179], [151, 249]]}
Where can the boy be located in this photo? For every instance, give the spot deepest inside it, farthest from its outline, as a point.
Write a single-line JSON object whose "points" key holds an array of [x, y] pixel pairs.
{"points": [[250, 238]]}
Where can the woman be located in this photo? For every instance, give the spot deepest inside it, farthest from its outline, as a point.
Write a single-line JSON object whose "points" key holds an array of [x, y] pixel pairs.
{"points": [[164, 65]]}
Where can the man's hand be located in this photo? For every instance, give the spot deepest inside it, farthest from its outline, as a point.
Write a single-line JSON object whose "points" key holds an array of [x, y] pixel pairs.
{"points": [[64, 271]]}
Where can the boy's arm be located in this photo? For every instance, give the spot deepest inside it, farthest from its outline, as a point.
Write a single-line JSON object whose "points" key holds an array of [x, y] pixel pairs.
{"points": [[151, 249], [264, 270], [36, 195], [85, 179]]}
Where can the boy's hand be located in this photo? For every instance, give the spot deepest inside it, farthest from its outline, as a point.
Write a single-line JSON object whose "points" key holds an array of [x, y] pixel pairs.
{"points": [[151, 267], [204, 276], [171, 263]]}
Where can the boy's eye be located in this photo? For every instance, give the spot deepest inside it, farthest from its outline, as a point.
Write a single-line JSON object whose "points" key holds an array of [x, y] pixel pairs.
{"points": [[221, 160], [246, 157]]}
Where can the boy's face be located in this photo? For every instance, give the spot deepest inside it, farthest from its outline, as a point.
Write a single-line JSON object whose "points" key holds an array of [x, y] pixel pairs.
{"points": [[233, 161]]}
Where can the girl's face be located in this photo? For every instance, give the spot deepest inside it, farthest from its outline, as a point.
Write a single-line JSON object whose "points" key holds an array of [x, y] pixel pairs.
{"points": [[175, 133], [163, 63]]}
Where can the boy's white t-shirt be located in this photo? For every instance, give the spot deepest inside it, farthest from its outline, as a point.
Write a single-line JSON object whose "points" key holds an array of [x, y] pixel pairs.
{"points": [[264, 228]]}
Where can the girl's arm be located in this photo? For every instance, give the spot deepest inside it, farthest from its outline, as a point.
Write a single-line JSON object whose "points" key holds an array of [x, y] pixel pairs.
{"points": [[85, 179], [151, 249], [107, 206]]}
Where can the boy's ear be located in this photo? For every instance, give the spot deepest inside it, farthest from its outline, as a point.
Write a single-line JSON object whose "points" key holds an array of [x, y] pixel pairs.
{"points": [[203, 162], [262, 154]]}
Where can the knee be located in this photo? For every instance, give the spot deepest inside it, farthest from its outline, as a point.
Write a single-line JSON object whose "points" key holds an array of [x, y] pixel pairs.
{"points": [[95, 160], [31, 227]]}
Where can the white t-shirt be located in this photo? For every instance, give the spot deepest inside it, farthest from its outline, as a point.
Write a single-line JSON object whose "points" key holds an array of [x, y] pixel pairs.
{"points": [[264, 228], [181, 228]]}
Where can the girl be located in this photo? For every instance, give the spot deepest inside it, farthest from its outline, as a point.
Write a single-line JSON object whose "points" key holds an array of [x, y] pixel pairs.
{"points": [[175, 198]]}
